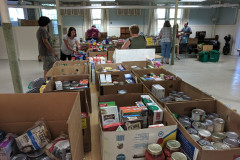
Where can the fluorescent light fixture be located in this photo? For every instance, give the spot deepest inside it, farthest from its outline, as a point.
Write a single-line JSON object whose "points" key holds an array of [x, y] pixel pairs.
{"points": [[192, 0], [102, 0]]}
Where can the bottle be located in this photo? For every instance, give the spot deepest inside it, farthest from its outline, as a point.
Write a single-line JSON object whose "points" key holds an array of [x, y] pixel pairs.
{"points": [[154, 152]]}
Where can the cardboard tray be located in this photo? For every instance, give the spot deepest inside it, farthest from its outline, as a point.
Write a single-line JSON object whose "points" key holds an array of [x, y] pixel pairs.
{"points": [[177, 85], [62, 112], [141, 64], [85, 93], [133, 142], [94, 54], [113, 89], [190, 146], [70, 63]]}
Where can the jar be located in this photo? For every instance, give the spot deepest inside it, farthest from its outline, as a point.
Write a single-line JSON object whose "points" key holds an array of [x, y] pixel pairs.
{"points": [[204, 142], [192, 131], [178, 156], [198, 125], [219, 124], [209, 125], [204, 134], [171, 147], [198, 115], [218, 137], [154, 152]]}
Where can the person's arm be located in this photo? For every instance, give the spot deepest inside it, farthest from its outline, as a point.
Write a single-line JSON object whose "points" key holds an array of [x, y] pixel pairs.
{"points": [[126, 44], [160, 34], [99, 34], [77, 44], [49, 47], [190, 31], [67, 45]]}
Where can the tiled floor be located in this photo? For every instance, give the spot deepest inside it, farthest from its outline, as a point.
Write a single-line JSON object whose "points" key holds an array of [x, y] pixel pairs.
{"points": [[221, 80]]}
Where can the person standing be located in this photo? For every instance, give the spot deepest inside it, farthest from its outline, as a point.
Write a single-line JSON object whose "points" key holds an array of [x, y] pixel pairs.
{"points": [[93, 33], [186, 32], [177, 42], [69, 40], [166, 41], [136, 41], [45, 49]]}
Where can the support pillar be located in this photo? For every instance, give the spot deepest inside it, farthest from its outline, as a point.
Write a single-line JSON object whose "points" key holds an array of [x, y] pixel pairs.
{"points": [[59, 22], [10, 45], [174, 33]]}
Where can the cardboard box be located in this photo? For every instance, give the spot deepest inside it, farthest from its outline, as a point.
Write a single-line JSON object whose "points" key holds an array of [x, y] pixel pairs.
{"points": [[94, 54], [140, 64], [110, 54], [85, 93], [126, 144], [98, 66], [70, 63], [67, 70], [113, 89], [189, 145], [192, 41], [24, 22], [207, 47], [177, 85], [62, 112]]}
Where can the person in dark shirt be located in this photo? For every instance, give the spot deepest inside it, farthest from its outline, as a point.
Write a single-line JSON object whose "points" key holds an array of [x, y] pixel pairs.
{"points": [[93, 33]]}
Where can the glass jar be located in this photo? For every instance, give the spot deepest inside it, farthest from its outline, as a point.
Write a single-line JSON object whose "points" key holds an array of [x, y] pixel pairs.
{"points": [[171, 147], [154, 152]]}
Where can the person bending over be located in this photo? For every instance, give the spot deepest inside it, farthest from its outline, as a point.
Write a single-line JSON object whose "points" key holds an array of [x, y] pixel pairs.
{"points": [[93, 33]]}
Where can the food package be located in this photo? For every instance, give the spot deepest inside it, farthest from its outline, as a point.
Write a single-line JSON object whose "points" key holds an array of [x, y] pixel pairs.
{"points": [[112, 127], [105, 104], [8, 147], [35, 138], [133, 122], [83, 82], [109, 115], [129, 110]]}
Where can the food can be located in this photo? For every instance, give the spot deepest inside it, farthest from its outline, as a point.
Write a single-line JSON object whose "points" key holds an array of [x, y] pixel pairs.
{"points": [[173, 92], [209, 125], [195, 137], [19, 157], [183, 118], [186, 123], [204, 142], [204, 134], [233, 143], [220, 146], [218, 137], [198, 126], [187, 98], [178, 156], [173, 145], [208, 147], [233, 135], [192, 131], [212, 116], [180, 93], [122, 91], [74, 84], [219, 124], [198, 115]]}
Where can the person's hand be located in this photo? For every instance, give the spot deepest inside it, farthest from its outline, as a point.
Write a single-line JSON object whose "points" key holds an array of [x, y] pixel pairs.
{"points": [[54, 54]]}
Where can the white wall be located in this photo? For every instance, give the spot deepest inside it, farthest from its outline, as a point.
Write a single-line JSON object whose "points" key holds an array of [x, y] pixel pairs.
{"points": [[80, 31]]}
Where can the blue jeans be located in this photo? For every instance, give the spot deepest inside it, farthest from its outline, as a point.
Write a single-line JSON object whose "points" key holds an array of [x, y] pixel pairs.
{"points": [[166, 49]]}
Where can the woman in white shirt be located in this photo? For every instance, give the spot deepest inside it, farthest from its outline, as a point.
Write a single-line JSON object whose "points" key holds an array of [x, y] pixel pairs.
{"points": [[69, 40]]}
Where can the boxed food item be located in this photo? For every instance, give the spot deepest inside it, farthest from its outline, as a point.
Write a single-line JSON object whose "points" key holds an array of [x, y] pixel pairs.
{"points": [[8, 147], [158, 91], [109, 115], [105, 104], [144, 109], [132, 122], [129, 110]]}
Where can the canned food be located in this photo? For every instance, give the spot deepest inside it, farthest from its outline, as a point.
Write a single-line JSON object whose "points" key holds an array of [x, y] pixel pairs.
{"points": [[212, 116], [180, 93], [204, 142], [173, 145], [233, 135], [174, 95], [195, 137], [187, 98], [218, 137], [209, 125], [198, 126], [66, 84], [184, 118], [173, 92], [122, 91], [178, 99], [208, 147], [19, 157], [220, 146], [233, 143], [219, 124], [186, 124], [192, 131], [178, 156], [204, 134], [198, 115], [74, 84]]}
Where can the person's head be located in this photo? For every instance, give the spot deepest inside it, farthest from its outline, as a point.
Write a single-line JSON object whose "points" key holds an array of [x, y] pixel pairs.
{"points": [[216, 37], [93, 26], [134, 29], [167, 24], [72, 32], [185, 24], [43, 21]]}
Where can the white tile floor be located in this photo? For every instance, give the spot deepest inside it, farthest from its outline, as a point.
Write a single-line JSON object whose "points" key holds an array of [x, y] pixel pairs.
{"points": [[221, 80]]}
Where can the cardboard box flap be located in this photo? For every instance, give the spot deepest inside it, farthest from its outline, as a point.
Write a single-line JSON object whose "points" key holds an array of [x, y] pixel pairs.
{"points": [[157, 71], [130, 88], [141, 64], [70, 63], [112, 65]]}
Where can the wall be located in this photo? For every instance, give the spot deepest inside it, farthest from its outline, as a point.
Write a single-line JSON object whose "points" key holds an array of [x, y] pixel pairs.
{"points": [[72, 20], [3, 50]]}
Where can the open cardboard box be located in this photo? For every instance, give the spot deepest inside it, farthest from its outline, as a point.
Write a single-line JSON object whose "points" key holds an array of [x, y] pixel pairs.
{"points": [[157, 71], [110, 53], [140, 64], [179, 86], [209, 106], [62, 112], [67, 70], [94, 54], [126, 144], [113, 89], [70, 63], [98, 66], [85, 92]]}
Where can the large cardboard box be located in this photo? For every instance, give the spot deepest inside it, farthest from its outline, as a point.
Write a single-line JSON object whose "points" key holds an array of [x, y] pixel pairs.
{"points": [[207, 47], [140, 64], [98, 66], [62, 112], [70, 63], [110, 54], [85, 93], [177, 85], [130, 144], [67, 70], [94, 54], [192, 148], [113, 89]]}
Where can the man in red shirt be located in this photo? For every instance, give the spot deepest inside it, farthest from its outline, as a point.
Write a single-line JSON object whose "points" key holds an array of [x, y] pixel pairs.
{"points": [[93, 33]]}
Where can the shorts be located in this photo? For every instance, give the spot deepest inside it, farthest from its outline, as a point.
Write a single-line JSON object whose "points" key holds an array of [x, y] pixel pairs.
{"points": [[177, 42], [48, 62]]}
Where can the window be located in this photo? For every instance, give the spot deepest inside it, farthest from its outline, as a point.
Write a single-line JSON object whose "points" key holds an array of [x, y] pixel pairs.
{"points": [[51, 14], [15, 14], [172, 14], [161, 16], [97, 16]]}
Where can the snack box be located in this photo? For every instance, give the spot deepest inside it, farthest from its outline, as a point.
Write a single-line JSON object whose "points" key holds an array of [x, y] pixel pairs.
{"points": [[109, 115]]}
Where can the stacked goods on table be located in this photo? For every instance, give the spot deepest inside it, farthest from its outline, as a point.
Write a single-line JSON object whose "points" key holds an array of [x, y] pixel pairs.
{"points": [[131, 122], [40, 126]]}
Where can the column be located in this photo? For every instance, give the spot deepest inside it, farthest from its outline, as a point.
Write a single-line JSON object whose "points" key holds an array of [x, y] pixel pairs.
{"points": [[59, 22], [174, 34]]}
